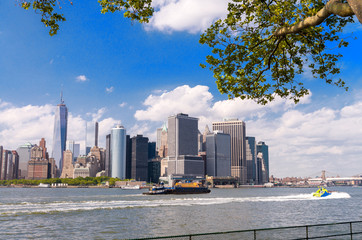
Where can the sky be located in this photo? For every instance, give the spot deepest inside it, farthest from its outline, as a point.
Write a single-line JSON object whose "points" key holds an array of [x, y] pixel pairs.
{"points": [[116, 71]]}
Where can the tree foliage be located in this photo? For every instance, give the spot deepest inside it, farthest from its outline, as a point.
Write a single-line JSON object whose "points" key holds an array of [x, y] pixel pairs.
{"points": [[257, 56], [262, 47]]}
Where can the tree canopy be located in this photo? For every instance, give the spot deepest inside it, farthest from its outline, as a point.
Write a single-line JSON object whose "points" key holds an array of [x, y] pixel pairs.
{"points": [[261, 47]]}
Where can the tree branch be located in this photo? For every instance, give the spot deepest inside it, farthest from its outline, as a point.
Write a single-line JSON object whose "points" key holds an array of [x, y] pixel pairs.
{"points": [[332, 7]]}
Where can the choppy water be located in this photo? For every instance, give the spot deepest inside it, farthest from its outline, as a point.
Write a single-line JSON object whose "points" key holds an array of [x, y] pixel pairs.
{"points": [[118, 214]]}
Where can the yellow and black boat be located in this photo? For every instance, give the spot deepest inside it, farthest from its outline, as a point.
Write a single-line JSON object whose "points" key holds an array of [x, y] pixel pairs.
{"points": [[321, 192]]}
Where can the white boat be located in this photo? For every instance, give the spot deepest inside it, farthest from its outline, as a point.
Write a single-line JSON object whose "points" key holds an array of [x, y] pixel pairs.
{"points": [[128, 187], [44, 185]]}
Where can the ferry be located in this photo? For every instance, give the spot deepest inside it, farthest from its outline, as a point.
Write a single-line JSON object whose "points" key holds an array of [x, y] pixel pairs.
{"points": [[44, 185], [179, 188]]}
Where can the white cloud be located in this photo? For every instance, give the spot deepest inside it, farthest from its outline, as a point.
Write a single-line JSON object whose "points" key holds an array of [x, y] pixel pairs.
{"points": [[186, 15], [300, 142], [122, 104], [19, 125], [109, 90], [81, 78]]}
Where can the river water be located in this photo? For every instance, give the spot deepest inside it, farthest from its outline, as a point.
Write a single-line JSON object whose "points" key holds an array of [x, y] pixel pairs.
{"points": [[97, 213]]}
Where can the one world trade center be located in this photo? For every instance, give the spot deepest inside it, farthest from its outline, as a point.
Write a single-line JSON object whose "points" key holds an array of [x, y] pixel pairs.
{"points": [[60, 133]]}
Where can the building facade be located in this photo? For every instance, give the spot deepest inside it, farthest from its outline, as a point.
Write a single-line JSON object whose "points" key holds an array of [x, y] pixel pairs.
{"points": [[236, 130], [118, 152], [60, 133], [263, 154], [218, 156], [251, 160], [182, 144], [139, 170]]}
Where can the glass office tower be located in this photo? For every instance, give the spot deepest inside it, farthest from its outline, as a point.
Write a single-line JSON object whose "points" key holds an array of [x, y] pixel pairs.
{"points": [[60, 133], [118, 152]]}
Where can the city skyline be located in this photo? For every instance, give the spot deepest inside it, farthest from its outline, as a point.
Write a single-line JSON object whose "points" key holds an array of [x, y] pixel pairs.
{"points": [[102, 60]]}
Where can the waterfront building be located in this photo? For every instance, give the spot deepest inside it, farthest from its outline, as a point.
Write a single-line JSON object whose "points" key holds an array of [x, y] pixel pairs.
{"points": [[99, 156], [182, 144], [42, 144], [162, 151], [1, 161], [200, 138], [4, 165], [10, 166], [261, 169], [251, 160], [205, 133], [118, 152], [24, 157], [151, 150], [96, 134], [60, 132], [68, 168], [236, 129], [108, 166], [15, 163], [164, 166], [264, 149], [76, 151], [81, 171], [128, 157], [38, 167], [154, 168], [218, 157], [139, 158]]}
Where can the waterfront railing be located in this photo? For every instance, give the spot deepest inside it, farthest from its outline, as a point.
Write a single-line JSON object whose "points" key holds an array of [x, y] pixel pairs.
{"points": [[335, 231]]}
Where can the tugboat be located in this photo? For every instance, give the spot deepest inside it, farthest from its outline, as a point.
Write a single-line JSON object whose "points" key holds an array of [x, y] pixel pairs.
{"points": [[179, 188], [321, 192]]}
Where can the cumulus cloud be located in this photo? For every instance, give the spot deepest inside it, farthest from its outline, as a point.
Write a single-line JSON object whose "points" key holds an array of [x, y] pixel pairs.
{"points": [[186, 15], [81, 78], [19, 125], [300, 142], [109, 90]]}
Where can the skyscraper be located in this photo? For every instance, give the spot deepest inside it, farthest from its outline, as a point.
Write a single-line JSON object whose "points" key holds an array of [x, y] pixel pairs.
{"points": [[183, 147], [118, 152], [139, 169], [108, 166], [24, 158], [60, 132], [96, 135], [218, 160], [236, 129], [251, 160], [262, 148]]}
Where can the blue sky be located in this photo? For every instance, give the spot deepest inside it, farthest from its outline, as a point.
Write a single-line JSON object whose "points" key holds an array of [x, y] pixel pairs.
{"points": [[112, 70]]}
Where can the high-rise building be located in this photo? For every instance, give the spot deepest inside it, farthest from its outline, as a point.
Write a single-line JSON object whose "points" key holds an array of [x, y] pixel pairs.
{"points": [[42, 144], [139, 158], [162, 150], [154, 167], [236, 129], [183, 147], [118, 152], [60, 132], [24, 157], [251, 160], [151, 150], [4, 167], [108, 166], [1, 160], [218, 158], [15, 172], [76, 151], [128, 157], [38, 167], [68, 167], [96, 135], [262, 148]]}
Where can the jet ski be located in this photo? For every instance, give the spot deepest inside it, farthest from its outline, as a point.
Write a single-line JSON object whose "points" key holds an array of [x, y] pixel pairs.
{"points": [[321, 192]]}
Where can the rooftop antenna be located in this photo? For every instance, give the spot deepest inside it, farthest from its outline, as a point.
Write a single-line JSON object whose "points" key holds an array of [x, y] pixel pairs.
{"points": [[61, 96]]}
